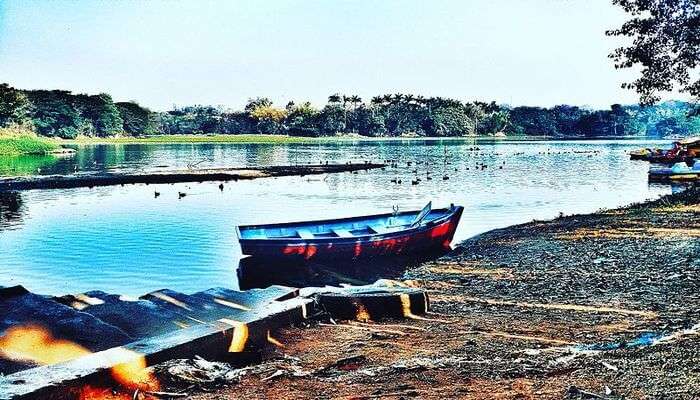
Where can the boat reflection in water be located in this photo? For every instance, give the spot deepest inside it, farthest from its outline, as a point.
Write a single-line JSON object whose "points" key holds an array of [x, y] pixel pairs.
{"points": [[11, 210], [256, 272], [676, 187], [356, 251]]}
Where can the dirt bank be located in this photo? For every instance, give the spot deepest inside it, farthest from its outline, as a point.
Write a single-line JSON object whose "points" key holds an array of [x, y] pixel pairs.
{"points": [[587, 306], [111, 178]]}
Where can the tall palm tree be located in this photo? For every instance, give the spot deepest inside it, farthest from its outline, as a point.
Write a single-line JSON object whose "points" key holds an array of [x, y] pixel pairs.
{"points": [[346, 99], [334, 98], [354, 99]]}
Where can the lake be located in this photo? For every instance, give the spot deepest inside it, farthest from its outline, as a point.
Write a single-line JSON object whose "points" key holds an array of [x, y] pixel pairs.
{"points": [[126, 240]]}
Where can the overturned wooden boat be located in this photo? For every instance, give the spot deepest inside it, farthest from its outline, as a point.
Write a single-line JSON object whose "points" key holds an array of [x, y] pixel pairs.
{"points": [[389, 234]]}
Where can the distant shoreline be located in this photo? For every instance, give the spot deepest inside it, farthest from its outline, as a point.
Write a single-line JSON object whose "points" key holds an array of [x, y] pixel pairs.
{"points": [[28, 145], [272, 139], [285, 139]]}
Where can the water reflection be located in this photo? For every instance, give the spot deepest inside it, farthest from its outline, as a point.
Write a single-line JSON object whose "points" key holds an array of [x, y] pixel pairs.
{"points": [[256, 273], [676, 187], [104, 157], [126, 240], [11, 210]]}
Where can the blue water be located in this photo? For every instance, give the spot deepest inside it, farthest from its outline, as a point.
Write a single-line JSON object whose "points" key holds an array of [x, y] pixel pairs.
{"points": [[644, 339], [124, 240]]}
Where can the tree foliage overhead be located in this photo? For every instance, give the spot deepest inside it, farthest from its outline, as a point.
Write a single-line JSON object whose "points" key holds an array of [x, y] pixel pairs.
{"points": [[665, 38], [63, 114]]}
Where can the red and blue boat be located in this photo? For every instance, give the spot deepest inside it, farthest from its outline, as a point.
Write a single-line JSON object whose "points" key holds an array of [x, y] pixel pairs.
{"points": [[677, 173], [397, 233]]}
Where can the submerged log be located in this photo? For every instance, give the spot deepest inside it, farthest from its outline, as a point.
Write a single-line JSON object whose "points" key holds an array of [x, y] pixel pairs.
{"points": [[102, 178]]}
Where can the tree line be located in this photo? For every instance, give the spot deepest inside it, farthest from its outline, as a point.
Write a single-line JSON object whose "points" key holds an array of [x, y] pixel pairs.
{"points": [[60, 113]]}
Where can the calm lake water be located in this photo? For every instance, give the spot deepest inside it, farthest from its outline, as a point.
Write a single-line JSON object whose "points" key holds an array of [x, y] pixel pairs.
{"points": [[125, 240]]}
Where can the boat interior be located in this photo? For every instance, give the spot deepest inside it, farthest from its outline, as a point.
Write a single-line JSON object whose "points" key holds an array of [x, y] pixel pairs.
{"points": [[343, 228]]}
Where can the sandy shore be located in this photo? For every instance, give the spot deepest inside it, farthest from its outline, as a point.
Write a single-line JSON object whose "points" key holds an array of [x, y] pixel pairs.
{"points": [[586, 306]]}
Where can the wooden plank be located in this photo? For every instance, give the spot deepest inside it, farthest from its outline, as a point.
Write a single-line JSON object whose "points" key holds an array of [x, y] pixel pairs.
{"points": [[305, 234], [343, 233], [210, 341], [378, 228]]}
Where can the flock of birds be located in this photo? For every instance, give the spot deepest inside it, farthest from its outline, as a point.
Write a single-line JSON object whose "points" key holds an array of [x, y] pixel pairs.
{"points": [[418, 177], [479, 166]]}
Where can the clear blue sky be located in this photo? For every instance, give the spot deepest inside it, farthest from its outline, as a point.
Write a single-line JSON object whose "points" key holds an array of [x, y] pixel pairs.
{"points": [[160, 53]]}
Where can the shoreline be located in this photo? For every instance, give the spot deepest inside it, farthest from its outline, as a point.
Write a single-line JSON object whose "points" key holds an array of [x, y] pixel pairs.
{"points": [[285, 139], [599, 305], [275, 139]]}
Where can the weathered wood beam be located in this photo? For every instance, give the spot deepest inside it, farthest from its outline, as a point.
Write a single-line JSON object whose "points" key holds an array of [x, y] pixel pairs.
{"points": [[214, 340], [92, 179]]}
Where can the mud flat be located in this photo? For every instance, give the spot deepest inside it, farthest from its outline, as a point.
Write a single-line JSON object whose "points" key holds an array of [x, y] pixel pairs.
{"points": [[92, 179], [599, 306]]}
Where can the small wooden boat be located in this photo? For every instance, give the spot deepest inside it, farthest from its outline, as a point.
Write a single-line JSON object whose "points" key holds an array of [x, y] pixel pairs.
{"points": [[352, 238]]}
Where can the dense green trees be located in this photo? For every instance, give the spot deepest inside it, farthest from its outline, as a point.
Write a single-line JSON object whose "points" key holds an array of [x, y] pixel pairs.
{"points": [[14, 106], [302, 120], [267, 118], [60, 113], [136, 120], [101, 117], [53, 113]]}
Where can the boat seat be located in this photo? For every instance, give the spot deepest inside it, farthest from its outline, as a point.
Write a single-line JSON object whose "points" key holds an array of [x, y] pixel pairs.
{"points": [[305, 234], [342, 233], [378, 228]]}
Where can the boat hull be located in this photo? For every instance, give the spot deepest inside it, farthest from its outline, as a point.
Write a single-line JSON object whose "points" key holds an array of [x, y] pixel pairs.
{"points": [[689, 176], [663, 160], [437, 235]]}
